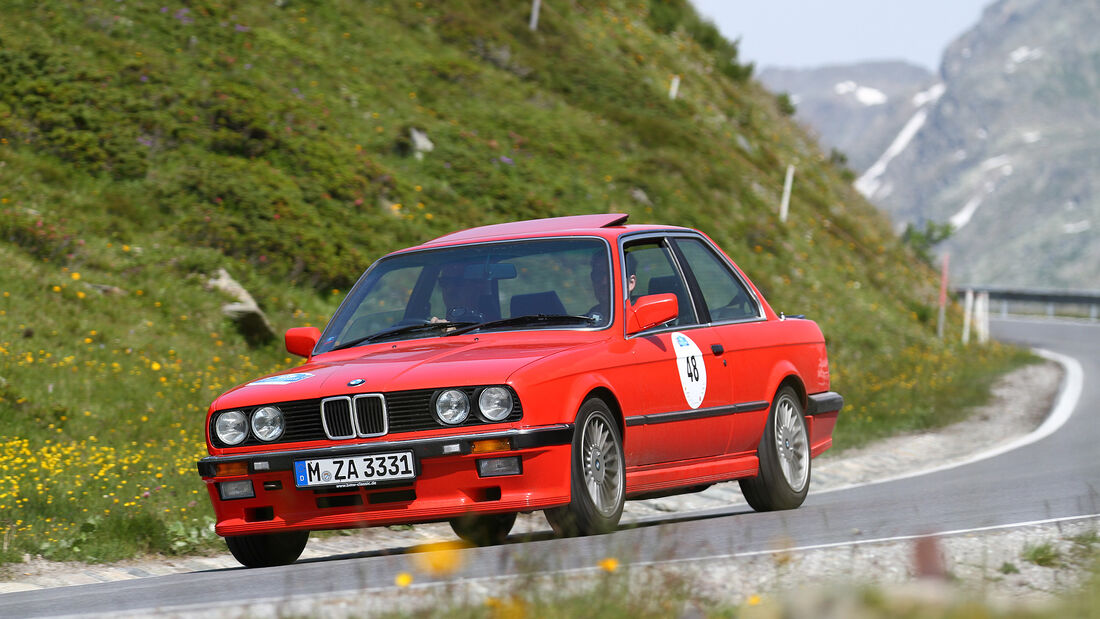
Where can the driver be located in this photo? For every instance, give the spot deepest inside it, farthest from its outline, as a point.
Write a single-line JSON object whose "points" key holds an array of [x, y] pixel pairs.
{"points": [[600, 280], [460, 295]]}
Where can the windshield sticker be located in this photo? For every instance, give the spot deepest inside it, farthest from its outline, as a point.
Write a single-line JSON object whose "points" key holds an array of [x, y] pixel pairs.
{"points": [[282, 379], [693, 373]]}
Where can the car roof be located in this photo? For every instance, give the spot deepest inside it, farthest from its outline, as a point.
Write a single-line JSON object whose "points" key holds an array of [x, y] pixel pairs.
{"points": [[608, 225]]}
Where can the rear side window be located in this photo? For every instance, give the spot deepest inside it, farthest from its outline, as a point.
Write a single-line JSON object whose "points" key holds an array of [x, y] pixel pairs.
{"points": [[726, 298]]}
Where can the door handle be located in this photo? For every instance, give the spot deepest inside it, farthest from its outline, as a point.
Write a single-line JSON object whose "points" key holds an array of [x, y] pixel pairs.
{"points": [[717, 349]]}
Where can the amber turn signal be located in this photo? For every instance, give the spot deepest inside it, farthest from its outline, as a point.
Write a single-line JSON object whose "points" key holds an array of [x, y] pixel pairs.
{"points": [[224, 469], [491, 445]]}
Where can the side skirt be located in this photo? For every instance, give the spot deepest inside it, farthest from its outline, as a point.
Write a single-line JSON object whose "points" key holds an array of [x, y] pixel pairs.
{"points": [[651, 478]]}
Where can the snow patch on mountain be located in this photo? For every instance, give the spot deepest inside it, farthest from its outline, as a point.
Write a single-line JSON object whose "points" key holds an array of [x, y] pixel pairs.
{"points": [[928, 96], [864, 94], [960, 219], [869, 182], [1021, 55], [993, 163], [1024, 53], [1076, 228]]}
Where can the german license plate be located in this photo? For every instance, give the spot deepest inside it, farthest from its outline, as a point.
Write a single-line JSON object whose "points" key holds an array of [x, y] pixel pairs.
{"points": [[365, 470]]}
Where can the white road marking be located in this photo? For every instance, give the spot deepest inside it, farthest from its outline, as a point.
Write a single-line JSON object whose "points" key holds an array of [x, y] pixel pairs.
{"points": [[1068, 398], [877, 540]]}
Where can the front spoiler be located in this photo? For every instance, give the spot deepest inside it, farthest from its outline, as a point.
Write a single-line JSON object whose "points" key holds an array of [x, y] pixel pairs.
{"points": [[544, 436]]}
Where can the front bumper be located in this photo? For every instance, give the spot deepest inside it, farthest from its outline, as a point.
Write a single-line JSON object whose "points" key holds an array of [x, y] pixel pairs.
{"points": [[447, 484]]}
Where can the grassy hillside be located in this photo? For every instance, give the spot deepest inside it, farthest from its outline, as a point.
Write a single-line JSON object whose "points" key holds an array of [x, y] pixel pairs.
{"points": [[144, 145]]}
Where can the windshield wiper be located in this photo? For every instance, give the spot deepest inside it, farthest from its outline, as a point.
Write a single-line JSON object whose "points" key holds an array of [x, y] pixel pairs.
{"points": [[404, 330], [523, 320]]}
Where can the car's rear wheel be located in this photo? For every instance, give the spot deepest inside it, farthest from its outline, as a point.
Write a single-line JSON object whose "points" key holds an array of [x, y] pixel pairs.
{"points": [[483, 529], [267, 549], [598, 476], [784, 452]]}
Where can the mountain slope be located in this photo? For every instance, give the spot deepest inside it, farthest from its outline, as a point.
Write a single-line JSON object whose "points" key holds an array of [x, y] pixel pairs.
{"points": [[857, 109], [1008, 153], [143, 146]]}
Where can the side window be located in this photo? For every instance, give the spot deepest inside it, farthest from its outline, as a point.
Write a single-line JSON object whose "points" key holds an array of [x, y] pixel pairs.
{"points": [[724, 295], [650, 263]]}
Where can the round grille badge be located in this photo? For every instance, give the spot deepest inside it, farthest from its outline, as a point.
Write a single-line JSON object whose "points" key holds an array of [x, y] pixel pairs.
{"points": [[355, 382]]}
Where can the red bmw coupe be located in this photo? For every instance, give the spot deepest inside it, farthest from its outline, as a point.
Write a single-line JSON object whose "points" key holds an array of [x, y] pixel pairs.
{"points": [[564, 365]]}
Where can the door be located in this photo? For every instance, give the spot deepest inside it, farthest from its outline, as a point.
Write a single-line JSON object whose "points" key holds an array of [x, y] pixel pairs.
{"points": [[685, 387], [738, 324]]}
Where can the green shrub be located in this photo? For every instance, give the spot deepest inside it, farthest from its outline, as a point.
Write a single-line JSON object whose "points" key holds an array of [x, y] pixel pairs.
{"points": [[1045, 554]]}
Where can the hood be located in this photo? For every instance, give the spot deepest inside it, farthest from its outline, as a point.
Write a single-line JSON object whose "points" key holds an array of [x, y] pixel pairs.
{"points": [[418, 364]]}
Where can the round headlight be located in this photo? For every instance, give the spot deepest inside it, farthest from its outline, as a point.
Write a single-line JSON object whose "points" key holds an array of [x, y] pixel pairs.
{"points": [[267, 423], [231, 427], [495, 403], [452, 407]]}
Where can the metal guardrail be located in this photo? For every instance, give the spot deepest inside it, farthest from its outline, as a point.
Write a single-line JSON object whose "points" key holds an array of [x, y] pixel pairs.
{"points": [[1052, 302]]}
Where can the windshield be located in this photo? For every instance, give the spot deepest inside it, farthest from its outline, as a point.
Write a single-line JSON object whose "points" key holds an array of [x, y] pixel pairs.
{"points": [[404, 295]]}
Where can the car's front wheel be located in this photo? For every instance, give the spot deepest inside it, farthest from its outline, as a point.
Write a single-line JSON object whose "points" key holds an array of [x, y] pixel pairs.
{"points": [[483, 529], [267, 549], [598, 475], [784, 452]]}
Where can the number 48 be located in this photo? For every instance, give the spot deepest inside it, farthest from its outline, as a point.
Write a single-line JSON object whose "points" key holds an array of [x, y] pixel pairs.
{"points": [[692, 365]]}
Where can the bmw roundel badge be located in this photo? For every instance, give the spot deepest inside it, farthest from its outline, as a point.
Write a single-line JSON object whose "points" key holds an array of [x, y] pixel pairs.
{"points": [[355, 382]]}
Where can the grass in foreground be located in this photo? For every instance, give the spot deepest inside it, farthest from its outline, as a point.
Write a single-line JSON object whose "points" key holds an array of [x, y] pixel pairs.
{"points": [[620, 591]]}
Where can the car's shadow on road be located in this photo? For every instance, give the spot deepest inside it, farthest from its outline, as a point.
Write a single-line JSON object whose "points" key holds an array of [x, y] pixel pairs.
{"points": [[518, 539]]}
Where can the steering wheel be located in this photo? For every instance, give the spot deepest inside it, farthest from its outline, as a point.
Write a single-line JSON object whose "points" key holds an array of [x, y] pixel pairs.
{"points": [[464, 314]]}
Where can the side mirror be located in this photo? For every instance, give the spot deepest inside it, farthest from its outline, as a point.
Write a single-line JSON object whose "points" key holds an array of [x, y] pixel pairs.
{"points": [[650, 311], [302, 340]]}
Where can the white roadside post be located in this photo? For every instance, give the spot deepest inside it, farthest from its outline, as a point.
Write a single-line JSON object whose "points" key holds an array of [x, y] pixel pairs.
{"points": [[785, 203], [534, 23], [968, 309], [982, 317], [674, 87], [943, 296]]}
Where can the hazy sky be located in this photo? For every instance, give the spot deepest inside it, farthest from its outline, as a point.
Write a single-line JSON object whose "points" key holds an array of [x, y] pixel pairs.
{"points": [[809, 33]]}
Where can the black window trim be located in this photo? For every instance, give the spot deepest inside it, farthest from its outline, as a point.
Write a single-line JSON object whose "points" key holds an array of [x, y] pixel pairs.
{"points": [[720, 256], [692, 288], [664, 237], [692, 284]]}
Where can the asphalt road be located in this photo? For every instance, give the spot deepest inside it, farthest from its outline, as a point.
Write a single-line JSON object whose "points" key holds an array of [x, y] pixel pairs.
{"points": [[1056, 477]]}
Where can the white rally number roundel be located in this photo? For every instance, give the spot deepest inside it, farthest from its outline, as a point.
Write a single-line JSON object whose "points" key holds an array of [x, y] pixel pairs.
{"points": [[693, 374]]}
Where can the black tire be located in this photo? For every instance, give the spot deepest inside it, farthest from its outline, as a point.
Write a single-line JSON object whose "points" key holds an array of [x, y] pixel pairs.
{"points": [[773, 488], [267, 549], [484, 529], [597, 473]]}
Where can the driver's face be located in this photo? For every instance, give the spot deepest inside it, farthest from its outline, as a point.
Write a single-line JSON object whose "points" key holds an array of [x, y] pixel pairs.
{"points": [[451, 287]]}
